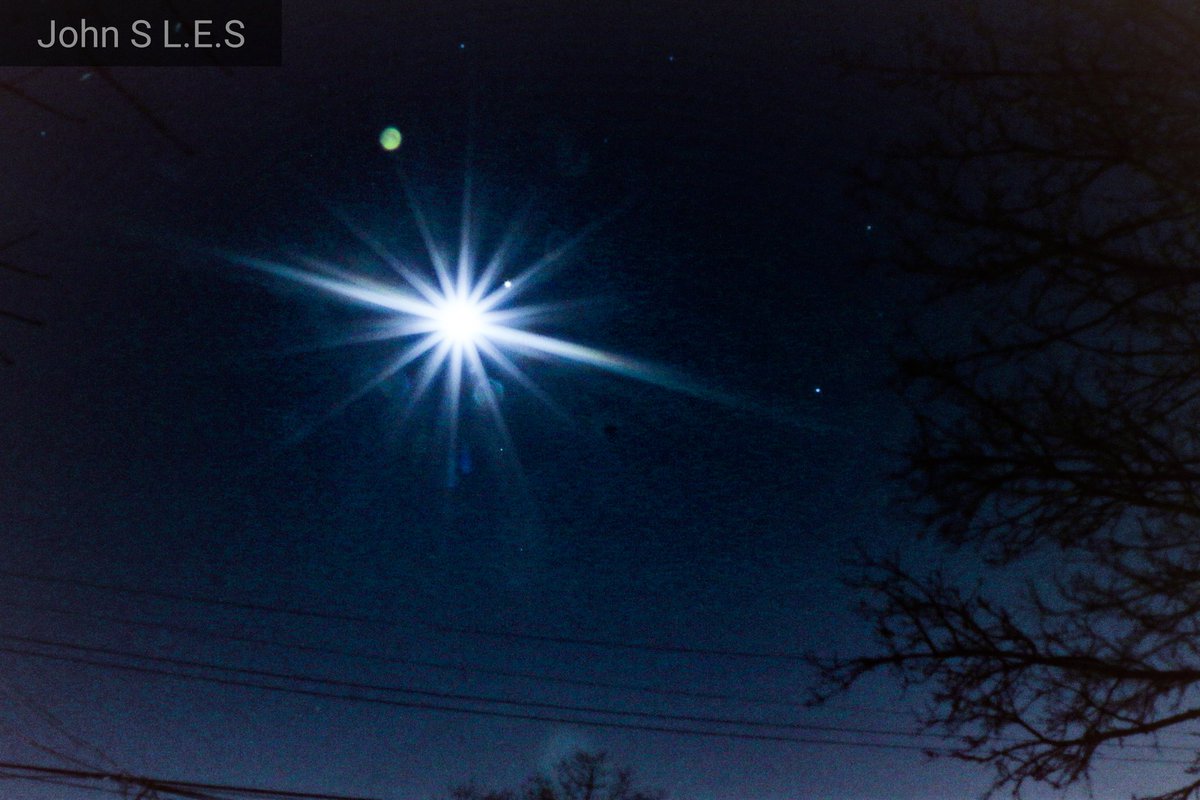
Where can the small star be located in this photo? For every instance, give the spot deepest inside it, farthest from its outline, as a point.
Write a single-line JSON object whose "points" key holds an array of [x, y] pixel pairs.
{"points": [[462, 45], [671, 57], [870, 228], [508, 284], [817, 390]]}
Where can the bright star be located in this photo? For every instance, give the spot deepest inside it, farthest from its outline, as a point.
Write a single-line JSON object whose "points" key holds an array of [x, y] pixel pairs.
{"points": [[461, 322], [456, 323]]}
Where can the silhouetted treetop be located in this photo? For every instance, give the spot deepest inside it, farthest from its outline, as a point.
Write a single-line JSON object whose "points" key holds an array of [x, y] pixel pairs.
{"points": [[1047, 198], [582, 776]]}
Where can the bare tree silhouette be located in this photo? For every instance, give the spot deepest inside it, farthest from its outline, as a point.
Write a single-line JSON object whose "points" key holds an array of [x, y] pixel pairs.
{"points": [[15, 87], [582, 776], [18, 87], [21, 88], [19, 272], [1047, 196]]}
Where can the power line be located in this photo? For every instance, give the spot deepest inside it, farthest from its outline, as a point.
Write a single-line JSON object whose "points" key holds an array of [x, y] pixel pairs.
{"points": [[405, 690], [180, 788], [426, 706], [70, 784], [145, 794], [12, 88], [16, 696], [330, 616], [522, 703], [15, 693], [305, 647], [12, 730], [525, 703], [482, 712]]}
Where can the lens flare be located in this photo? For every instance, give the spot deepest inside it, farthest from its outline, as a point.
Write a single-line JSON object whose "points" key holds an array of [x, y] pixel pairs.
{"points": [[460, 323]]}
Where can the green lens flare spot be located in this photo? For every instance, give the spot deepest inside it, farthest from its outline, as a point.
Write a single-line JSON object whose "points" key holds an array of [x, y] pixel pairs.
{"points": [[390, 138]]}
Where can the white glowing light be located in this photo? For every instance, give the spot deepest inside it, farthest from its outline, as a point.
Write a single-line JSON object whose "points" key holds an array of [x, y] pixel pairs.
{"points": [[459, 323]]}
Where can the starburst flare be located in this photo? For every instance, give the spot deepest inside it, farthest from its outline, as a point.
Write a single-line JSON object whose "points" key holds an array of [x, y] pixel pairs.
{"points": [[460, 324]]}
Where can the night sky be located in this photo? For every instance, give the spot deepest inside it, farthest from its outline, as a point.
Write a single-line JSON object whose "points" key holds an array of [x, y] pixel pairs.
{"points": [[178, 427]]}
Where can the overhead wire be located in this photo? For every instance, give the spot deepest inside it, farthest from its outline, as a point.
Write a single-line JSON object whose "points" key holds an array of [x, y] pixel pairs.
{"points": [[489, 712], [81, 744], [478, 712], [15, 696], [508, 701], [332, 616], [407, 690], [180, 788], [452, 696], [42, 747], [443, 695], [87, 787], [304, 647]]}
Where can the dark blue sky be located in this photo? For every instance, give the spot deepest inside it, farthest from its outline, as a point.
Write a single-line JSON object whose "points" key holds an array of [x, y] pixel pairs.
{"points": [[151, 426]]}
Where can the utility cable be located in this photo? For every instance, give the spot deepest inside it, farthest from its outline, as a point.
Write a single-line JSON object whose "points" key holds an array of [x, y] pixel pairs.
{"points": [[15, 693], [291, 611], [364, 619], [304, 647], [583, 722], [520, 703], [177, 787], [293, 677]]}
